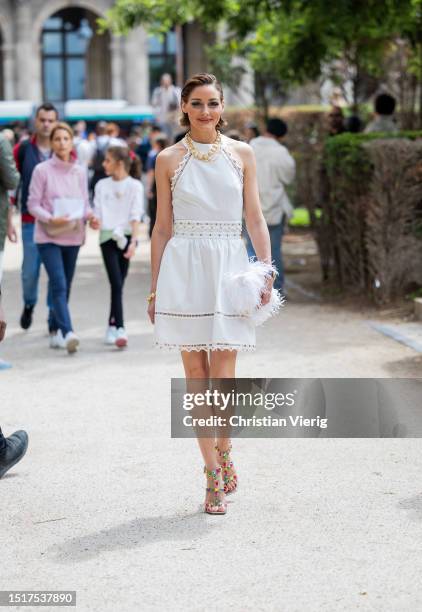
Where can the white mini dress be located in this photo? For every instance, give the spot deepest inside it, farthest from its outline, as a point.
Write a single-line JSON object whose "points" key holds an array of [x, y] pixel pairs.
{"points": [[192, 308]]}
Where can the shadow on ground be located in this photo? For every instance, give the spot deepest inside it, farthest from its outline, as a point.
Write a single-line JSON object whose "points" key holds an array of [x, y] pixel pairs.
{"points": [[135, 534]]}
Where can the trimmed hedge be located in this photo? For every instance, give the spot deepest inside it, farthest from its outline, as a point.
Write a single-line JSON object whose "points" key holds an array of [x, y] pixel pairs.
{"points": [[363, 193], [371, 196]]}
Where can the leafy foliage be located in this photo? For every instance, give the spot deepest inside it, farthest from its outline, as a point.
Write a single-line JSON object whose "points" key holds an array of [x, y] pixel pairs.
{"points": [[289, 42]]}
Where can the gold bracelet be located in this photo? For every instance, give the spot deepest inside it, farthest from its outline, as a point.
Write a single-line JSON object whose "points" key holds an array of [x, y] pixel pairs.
{"points": [[151, 296]]}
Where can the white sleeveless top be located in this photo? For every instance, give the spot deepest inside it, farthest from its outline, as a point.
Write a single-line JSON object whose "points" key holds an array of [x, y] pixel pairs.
{"points": [[200, 187], [192, 312]]}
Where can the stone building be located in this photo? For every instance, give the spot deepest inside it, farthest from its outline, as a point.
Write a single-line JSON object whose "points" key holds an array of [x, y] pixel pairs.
{"points": [[49, 50]]}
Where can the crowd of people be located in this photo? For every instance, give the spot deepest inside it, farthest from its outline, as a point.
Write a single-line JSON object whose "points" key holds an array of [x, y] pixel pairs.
{"points": [[382, 121], [61, 178], [56, 197], [66, 178]]}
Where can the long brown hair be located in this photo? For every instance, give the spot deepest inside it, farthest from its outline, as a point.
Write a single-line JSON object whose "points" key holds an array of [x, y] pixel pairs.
{"points": [[131, 162], [203, 78]]}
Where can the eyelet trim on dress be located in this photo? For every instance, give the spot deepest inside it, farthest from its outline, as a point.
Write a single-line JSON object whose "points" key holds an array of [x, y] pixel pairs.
{"points": [[179, 170], [213, 346], [207, 229], [184, 315], [234, 162]]}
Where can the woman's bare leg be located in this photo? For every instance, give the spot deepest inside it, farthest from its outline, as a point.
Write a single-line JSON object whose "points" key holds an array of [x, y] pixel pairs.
{"points": [[223, 365], [197, 381]]}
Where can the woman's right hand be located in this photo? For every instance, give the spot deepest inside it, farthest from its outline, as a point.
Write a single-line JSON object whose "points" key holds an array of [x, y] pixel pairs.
{"points": [[58, 221], [151, 310], [94, 223]]}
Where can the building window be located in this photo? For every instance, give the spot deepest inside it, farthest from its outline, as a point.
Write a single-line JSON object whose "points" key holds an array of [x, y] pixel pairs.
{"points": [[162, 57], [65, 40]]}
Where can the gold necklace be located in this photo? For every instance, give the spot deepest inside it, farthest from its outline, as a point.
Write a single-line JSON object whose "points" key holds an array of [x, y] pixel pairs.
{"points": [[203, 156]]}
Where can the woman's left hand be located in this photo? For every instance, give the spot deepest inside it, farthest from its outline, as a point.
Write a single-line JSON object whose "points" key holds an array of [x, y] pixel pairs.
{"points": [[131, 251], [94, 223], [266, 294]]}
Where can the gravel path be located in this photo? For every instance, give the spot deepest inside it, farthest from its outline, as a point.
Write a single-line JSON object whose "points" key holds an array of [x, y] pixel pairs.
{"points": [[105, 503]]}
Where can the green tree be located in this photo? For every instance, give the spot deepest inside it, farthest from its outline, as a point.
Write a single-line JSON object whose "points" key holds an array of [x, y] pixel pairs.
{"points": [[410, 29], [238, 17], [289, 42]]}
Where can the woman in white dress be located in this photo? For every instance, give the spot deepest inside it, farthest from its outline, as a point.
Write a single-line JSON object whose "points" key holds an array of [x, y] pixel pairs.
{"points": [[204, 184]]}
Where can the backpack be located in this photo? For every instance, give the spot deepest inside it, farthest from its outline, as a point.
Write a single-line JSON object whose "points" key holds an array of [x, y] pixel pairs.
{"points": [[23, 147]]}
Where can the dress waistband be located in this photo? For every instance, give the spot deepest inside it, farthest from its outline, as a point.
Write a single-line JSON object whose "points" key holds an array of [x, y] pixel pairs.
{"points": [[207, 229]]}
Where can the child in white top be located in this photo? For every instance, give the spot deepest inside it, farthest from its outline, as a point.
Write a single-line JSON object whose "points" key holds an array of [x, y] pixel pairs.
{"points": [[118, 208]]}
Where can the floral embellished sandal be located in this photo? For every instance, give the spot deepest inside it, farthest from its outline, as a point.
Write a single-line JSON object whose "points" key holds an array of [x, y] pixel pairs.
{"points": [[229, 473], [217, 505]]}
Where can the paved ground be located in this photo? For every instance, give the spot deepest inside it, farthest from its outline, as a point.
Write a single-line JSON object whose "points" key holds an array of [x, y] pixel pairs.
{"points": [[105, 503]]}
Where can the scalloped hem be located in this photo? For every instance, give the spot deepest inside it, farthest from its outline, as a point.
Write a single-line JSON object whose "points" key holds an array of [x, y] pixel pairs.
{"points": [[241, 348]]}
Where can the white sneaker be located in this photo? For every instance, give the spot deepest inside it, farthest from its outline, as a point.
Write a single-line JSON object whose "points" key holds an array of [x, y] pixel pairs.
{"points": [[57, 340], [120, 238], [121, 338], [111, 335], [71, 341]]}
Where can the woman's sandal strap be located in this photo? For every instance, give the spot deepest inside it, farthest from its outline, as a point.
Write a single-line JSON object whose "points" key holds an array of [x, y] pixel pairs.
{"points": [[227, 465], [224, 454], [219, 505]]}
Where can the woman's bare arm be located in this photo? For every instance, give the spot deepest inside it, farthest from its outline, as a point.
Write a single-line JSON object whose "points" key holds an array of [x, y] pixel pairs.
{"points": [[255, 222], [164, 222], [166, 164]]}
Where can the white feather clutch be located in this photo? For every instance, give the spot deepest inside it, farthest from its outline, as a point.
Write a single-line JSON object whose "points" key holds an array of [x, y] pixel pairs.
{"points": [[244, 292]]}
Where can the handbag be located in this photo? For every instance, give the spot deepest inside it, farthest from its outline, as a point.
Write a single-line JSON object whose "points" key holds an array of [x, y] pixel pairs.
{"points": [[244, 290], [53, 231]]}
